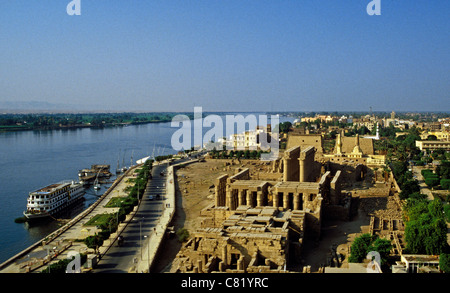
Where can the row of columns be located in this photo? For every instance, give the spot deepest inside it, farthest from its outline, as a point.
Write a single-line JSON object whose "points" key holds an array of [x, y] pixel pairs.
{"points": [[297, 164], [287, 200], [237, 197], [283, 199]]}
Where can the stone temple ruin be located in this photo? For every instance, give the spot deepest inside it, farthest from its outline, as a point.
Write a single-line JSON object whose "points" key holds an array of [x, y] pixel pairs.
{"points": [[260, 225]]}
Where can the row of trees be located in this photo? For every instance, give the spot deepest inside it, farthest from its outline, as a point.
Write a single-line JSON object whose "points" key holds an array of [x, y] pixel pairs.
{"points": [[426, 228], [43, 120], [366, 243], [111, 224], [405, 179], [323, 124], [438, 179], [162, 158], [60, 267], [54, 121], [284, 127], [421, 158]]}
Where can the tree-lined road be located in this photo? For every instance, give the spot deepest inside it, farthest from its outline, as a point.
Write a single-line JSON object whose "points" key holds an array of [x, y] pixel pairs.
{"points": [[119, 259]]}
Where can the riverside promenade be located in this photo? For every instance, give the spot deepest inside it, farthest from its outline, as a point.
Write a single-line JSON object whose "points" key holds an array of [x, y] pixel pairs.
{"points": [[155, 240], [68, 238]]}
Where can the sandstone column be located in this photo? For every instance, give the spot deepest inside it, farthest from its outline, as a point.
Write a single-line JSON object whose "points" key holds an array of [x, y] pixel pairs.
{"points": [[302, 170], [242, 195], [249, 198], [259, 198], [286, 169], [224, 255], [276, 196], [286, 200], [296, 201]]}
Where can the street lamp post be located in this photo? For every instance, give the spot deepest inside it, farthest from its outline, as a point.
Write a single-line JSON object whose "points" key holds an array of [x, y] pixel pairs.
{"points": [[148, 250], [140, 233]]}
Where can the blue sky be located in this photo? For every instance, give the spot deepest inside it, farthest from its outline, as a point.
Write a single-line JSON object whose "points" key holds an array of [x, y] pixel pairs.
{"points": [[247, 55]]}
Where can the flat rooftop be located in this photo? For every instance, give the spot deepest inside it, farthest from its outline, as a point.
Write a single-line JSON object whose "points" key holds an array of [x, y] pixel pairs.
{"points": [[51, 187]]}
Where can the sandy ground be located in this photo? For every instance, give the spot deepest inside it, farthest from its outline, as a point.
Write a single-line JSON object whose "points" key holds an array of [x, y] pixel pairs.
{"points": [[340, 233], [195, 191]]}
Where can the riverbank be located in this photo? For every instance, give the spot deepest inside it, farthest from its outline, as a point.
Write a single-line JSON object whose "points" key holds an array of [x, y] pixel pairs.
{"points": [[39, 122], [12, 128], [54, 247]]}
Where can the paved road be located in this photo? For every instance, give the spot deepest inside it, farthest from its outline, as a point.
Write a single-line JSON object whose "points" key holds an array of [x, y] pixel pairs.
{"points": [[423, 187], [138, 231], [120, 259]]}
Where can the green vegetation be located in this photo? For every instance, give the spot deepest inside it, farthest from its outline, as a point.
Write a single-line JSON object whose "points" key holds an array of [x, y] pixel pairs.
{"points": [[108, 223], [447, 211], [445, 184], [426, 229], [162, 158], [283, 127], [359, 248], [404, 179], [183, 234], [100, 220], [16, 122], [398, 151], [61, 266], [323, 124], [399, 148], [431, 178], [365, 243], [444, 262], [440, 179], [115, 202]]}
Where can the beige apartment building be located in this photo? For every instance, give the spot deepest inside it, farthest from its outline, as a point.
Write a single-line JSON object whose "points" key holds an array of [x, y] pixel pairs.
{"points": [[432, 145]]}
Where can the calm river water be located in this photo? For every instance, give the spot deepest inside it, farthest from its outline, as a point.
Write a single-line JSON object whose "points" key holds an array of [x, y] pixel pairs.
{"points": [[32, 159]]}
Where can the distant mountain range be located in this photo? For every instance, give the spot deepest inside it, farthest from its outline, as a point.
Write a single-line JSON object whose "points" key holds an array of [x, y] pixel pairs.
{"points": [[46, 107]]}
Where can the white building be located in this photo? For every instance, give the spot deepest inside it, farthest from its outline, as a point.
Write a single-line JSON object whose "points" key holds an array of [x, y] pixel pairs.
{"points": [[248, 140], [417, 263]]}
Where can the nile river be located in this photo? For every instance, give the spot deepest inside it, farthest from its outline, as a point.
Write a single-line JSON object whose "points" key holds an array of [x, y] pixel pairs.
{"points": [[33, 159]]}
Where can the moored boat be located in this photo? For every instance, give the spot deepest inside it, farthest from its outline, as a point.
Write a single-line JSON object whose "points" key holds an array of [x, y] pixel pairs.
{"points": [[87, 176], [52, 199]]}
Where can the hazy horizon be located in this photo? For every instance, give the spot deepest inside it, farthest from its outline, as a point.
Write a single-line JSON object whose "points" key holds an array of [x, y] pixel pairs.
{"points": [[48, 108], [248, 56]]}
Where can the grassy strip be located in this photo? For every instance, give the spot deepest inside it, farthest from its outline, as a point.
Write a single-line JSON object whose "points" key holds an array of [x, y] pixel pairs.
{"points": [[115, 202], [108, 223], [99, 220]]}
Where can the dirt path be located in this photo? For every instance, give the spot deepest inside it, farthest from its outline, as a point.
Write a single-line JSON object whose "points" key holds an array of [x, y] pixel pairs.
{"points": [[341, 233], [195, 191]]}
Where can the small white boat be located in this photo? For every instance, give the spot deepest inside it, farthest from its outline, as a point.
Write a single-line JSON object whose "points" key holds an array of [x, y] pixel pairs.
{"points": [[96, 184], [143, 160]]}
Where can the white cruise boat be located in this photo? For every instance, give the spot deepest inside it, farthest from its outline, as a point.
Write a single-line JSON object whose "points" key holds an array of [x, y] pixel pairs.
{"points": [[53, 198]]}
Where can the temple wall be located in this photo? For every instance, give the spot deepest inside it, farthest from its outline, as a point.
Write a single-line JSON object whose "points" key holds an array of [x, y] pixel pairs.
{"points": [[290, 164]]}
